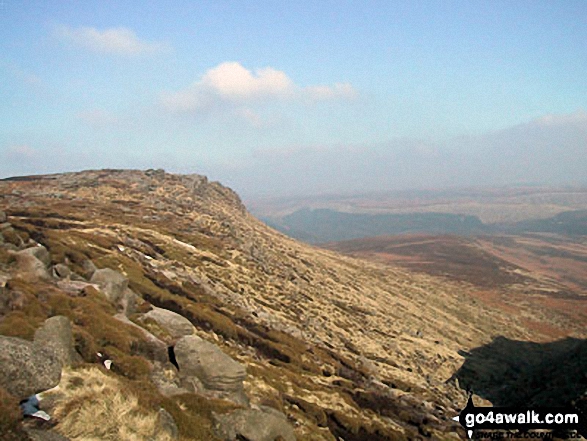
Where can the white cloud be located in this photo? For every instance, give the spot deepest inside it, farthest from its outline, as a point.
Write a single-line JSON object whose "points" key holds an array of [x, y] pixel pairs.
{"points": [[230, 83], [21, 152], [336, 91], [233, 81], [119, 41]]}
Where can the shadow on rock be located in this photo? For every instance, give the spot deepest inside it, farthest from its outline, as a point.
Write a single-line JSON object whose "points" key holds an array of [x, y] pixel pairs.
{"points": [[527, 374]]}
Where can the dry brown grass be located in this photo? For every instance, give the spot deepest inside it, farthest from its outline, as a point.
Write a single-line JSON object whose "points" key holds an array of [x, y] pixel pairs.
{"points": [[93, 405]]}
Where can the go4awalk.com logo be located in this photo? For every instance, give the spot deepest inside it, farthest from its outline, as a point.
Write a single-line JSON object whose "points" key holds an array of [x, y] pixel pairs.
{"points": [[563, 420]]}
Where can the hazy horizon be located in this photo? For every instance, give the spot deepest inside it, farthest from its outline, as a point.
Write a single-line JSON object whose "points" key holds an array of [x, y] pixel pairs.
{"points": [[302, 98]]}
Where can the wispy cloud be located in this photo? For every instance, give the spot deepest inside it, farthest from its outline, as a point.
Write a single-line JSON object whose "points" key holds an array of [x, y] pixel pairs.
{"points": [[118, 41], [22, 152], [232, 84]]}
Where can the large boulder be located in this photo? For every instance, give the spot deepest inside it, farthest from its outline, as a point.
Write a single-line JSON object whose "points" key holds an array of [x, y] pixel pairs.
{"points": [[262, 424], [56, 335], [40, 252], [151, 347], [111, 283], [27, 368], [174, 324], [29, 267], [203, 363]]}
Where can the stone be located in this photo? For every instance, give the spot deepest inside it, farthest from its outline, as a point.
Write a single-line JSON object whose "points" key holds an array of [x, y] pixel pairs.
{"points": [[88, 268], [27, 368], [262, 424], [129, 302], [165, 425], [75, 288], [2, 217], [111, 283], [1, 238], [151, 347], [40, 252], [61, 271], [166, 378], [56, 335], [29, 267], [201, 362], [176, 325]]}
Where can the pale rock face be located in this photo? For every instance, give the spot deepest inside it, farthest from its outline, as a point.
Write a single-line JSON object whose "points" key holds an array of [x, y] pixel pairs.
{"points": [[262, 424], [29, 267], [27, 368], [111, 283], [206, 363], [176, 325], [40, 252], [56, 335]]}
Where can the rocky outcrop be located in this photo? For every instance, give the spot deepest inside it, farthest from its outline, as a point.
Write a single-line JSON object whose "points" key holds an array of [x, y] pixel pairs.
{"points": [[202, 365], [262, 424], [174, 324], [27, 368], [111, 283], [56, 335]]}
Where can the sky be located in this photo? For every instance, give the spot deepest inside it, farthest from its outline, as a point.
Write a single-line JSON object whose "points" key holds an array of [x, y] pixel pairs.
{"points": [[284, 98]]}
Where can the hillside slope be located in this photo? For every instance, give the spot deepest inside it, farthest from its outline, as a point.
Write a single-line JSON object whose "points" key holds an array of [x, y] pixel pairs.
{"points": [[343, 347]]}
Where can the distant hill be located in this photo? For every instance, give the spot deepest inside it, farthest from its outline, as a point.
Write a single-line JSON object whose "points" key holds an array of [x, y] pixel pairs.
{"points": [[325, 225], [572, 223]]}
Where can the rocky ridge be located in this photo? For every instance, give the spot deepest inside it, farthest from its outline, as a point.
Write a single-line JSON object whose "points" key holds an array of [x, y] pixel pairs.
{"points": [[337, 347]]}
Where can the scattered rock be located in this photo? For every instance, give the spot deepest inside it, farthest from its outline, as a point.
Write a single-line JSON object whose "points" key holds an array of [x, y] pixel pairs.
{"points": [[56, 335], [129, 302], [176, 325], [111, 283], [203, 363], [263, 424], [61, 271], [29, 267], [40, 252], [27, 368], [75, 288], [89, 269], [165, 425]]}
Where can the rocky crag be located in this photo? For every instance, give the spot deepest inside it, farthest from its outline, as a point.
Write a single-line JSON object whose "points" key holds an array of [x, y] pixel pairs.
{"points": [[219, 328]]}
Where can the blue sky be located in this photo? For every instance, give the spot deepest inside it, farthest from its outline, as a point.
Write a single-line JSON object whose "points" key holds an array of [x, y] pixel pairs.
{"points": [[285, 97]]}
